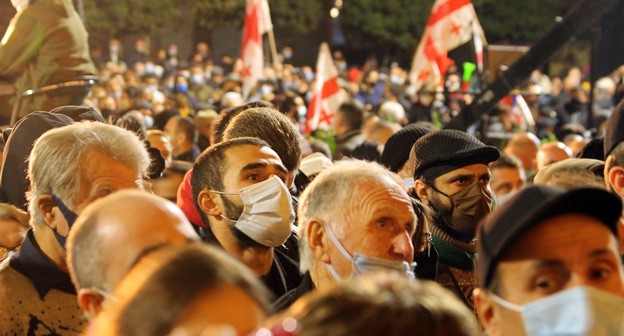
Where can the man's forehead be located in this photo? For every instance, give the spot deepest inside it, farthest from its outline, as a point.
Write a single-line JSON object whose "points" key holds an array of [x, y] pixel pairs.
{"points": [[473, 169], [563, 236], [241, 156]]}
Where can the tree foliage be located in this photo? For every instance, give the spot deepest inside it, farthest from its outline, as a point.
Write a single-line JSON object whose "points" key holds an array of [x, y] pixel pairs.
{"points": [[394, 25], [117, 17], [521, 22], [390, 23], [150, 17]]}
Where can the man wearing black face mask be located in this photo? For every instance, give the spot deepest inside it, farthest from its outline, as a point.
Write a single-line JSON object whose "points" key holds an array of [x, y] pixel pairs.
{"points": [[452, 179]]}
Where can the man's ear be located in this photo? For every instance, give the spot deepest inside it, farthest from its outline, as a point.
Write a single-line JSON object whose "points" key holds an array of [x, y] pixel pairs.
{"points": [[90, 302], [315, 232], [615, 179], [484, 305], [45, 203], [421, 191], [208, 203]]}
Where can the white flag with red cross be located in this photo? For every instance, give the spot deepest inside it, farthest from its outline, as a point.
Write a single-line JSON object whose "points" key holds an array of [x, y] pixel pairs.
{"points": [[451, 24], [327, 95], [257, 23]]}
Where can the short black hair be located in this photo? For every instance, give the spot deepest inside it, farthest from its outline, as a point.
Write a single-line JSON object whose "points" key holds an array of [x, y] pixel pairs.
{"points": [[187, 127], [271, 126], [226, 115], [353, 115], [506, 161]]}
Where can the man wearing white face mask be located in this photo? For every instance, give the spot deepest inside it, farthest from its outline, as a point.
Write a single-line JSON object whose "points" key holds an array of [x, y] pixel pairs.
{"points": [[354, 217], [238, 187], [549, 264]]}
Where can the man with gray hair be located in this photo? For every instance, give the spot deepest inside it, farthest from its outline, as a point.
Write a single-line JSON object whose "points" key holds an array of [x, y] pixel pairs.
{"points": [[112, 234], [353, 218], [69, 167]]}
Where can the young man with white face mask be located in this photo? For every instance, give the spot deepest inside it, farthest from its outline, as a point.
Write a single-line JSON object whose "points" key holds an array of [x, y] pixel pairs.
{"points": [[239, 189], [452, 179], [549, 264], [354, 217]]}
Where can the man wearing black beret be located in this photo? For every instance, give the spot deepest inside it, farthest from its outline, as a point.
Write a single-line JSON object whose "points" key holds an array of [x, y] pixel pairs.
{"points": [[452, 179]]}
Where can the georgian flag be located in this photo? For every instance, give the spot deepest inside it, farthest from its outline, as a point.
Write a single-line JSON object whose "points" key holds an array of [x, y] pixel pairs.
{"points": [[327, 95], [257, 23], [451, 24]]}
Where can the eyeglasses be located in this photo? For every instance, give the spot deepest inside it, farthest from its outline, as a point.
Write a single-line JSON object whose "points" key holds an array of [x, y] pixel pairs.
{"points": [[5, 252]]}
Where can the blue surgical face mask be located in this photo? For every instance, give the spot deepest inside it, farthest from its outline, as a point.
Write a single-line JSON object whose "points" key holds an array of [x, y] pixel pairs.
{"points": [[69, 216], [362, 263], [580, 310], [183, 88], [409, 182]]}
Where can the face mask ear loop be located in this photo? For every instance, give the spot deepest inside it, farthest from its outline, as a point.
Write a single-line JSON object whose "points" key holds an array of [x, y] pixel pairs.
{"points": [[337, 243], [227, 194], [445, 195], [506, 304]]}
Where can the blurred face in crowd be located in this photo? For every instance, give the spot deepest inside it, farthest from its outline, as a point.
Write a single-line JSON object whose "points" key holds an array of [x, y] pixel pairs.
{"points": [[550, 257], [506, 180]]}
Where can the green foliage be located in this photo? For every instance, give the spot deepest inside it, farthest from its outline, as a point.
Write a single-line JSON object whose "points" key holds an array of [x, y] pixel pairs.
{"points": [[517, 21], [300, 15], [389, 23], [116, 17]]}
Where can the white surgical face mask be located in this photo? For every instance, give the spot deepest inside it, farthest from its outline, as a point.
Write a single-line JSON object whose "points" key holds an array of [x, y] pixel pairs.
{"points": [[363, 264], [19, 5], [267, 215], [504, 198], [581, 310]]}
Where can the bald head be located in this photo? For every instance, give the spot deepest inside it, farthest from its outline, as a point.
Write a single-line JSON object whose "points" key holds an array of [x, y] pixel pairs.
{"points": [[114, 232], [552, 152], [524, 146]]}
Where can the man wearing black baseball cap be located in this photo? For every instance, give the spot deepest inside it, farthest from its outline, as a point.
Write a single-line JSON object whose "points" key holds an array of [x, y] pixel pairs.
{"points": [[453, 180], [549, 264]]}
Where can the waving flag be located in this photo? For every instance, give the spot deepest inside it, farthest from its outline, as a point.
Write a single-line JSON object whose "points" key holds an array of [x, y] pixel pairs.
{"points": [[257, 23], [327, 95], [451, 24]]}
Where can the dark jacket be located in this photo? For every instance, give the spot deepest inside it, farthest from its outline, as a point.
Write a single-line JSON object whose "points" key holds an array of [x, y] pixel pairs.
{"points": [[36, 297], [284, 274], [293, 295]]}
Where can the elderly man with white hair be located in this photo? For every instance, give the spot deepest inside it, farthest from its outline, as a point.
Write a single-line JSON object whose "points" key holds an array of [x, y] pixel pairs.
{"points": [[69, 167], [354, 217]]}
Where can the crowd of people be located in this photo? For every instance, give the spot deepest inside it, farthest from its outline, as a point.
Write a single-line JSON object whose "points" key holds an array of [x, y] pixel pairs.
{"points": [[169, 204]]}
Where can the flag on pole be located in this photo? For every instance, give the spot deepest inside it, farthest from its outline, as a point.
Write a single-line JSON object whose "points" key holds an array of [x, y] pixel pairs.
{"points": [[451, 24], [257, 23], [327, 95]]}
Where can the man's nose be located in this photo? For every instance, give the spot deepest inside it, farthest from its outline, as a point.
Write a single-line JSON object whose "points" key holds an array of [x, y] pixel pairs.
{"points": [[403, 247]]}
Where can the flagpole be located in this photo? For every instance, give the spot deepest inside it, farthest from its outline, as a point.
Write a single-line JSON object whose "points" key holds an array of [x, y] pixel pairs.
{"points": [[273, 47]]}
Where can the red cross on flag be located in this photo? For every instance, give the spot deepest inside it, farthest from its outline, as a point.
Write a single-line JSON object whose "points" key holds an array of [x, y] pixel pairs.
{"points": [[327, 95], [257, 23], [451, 24]]}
